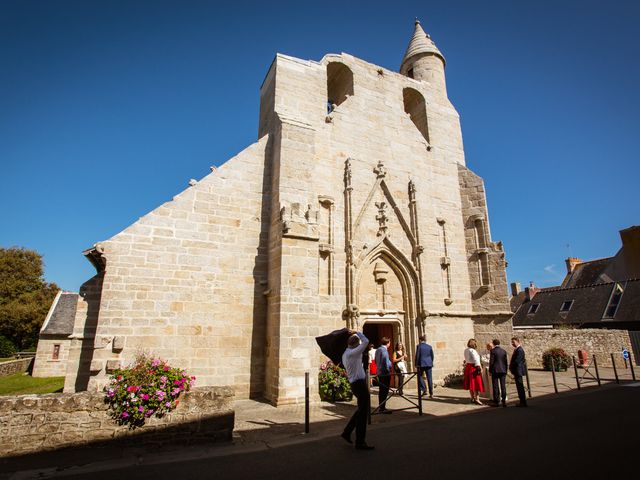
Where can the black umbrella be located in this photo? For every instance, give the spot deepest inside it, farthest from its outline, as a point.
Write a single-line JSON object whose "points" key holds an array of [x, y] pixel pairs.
{"points": [[334, 344]]}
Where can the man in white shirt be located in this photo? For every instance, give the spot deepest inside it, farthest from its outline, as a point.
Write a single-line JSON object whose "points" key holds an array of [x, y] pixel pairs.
{"points": [[352, 361]]}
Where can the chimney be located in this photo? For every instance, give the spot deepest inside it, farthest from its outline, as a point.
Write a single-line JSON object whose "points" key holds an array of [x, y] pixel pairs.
{"points": [[530, 291], [515, 289], [631, 250], [572, 262]]}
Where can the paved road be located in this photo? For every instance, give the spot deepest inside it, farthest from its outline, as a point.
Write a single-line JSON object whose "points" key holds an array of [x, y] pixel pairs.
{"points": [[571, 436]]}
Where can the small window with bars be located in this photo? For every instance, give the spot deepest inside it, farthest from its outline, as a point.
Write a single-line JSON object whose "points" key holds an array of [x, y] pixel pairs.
{"points": [[56, 352]]}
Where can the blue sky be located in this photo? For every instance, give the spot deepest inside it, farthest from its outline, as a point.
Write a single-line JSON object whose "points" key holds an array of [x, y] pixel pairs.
{"points": [[107, 109]]}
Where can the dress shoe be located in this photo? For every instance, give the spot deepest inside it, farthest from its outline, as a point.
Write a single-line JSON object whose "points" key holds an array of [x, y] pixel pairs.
{"points": [[431, 396], [346, 437], [504, 404], [364, 446]]}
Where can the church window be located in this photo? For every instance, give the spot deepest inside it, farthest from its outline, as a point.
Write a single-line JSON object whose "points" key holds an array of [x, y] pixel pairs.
{"points": [[410, 73], [533, 308], [339, 84], [56, 352], [416, 107]]}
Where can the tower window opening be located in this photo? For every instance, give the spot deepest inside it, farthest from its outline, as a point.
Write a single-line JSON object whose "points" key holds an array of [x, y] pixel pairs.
{"points": [[416, 106], [339, 85], [410, 73]]}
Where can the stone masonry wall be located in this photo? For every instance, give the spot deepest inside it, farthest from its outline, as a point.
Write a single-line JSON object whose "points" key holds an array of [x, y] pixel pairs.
{"points": [[186, 282], [15, 366], [45, 365], [596, 341], [31, 423]]}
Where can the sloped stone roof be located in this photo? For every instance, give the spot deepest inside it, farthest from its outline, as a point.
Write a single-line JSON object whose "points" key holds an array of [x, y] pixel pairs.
{"points": [[421, 43], [62, 314]]}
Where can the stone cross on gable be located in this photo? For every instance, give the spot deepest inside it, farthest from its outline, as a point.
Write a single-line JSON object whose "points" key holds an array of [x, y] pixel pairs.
{"points": [[382, 218], [380, 171]]}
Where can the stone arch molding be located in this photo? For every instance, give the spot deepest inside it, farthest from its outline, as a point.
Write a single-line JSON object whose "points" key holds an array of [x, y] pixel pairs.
{"points": [[407, 270]]}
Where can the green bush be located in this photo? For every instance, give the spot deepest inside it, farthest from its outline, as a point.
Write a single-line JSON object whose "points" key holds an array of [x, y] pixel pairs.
{"points": [[454, 379], [7, 349], [561, 359], [333, 383]]}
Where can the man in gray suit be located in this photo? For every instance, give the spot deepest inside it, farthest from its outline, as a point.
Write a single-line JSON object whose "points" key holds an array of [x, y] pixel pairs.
{"points": [[498, 371]]}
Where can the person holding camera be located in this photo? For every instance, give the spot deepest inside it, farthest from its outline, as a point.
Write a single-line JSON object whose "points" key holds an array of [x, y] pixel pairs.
{"points": [[473, 371]]}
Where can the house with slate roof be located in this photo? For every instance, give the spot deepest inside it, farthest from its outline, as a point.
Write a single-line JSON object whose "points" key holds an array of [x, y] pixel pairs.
{"points": [[53, 345], [603, 293]]}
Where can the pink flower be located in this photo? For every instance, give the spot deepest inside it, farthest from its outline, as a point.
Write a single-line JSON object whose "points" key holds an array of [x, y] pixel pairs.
{"points": [[144, 396], [141, 409], [160, 394], [175, 391], [125, 415], [168, 404], [166, 368], [156, 362], [111, 393], [177, 382]]}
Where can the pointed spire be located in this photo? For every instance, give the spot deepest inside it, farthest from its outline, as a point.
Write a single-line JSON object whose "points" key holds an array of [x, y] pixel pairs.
{"points": [[421, 43]]}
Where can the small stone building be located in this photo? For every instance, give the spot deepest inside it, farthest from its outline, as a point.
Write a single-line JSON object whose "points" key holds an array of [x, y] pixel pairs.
{"points": [[353, 208], [53, 344]]}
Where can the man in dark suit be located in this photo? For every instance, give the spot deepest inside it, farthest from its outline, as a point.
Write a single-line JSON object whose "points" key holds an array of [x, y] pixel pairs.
{"points": [[424, 363], [498, 371], [383, 364], [518, 368]]}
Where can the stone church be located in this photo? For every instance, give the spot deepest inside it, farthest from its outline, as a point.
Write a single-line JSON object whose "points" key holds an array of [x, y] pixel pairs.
{"points": [[353, 208]]}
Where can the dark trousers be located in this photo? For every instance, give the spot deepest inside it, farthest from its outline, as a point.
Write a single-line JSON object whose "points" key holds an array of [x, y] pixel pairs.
{"points": [[358, 420], [520, 387], [383, 390], [499, 380], [429, 374]]}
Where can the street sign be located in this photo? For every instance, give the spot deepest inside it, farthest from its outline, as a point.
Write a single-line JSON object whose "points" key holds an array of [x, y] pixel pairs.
{"points": [[625, 354]]}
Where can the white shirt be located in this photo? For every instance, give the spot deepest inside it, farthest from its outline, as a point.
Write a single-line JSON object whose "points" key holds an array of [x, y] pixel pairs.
{"points": [[352, 359], [471, 356]]}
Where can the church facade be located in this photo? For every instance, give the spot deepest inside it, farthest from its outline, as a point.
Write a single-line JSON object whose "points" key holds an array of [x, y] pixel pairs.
{"points": [[354, 208]]}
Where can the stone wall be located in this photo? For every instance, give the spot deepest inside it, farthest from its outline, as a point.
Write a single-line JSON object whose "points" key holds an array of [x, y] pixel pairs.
{"points": [[30, 423], [596, 341], [45, 364], [15, 366]]}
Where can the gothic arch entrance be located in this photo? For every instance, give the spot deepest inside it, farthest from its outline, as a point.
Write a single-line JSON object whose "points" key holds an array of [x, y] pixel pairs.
{"points": [[386, 292]]}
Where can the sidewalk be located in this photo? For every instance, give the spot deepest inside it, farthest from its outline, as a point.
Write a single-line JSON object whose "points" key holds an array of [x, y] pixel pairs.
{"points": [[260, 426]]}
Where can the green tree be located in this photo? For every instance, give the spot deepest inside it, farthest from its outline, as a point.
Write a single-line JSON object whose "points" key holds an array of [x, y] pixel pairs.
{"points": [[25, 297]]}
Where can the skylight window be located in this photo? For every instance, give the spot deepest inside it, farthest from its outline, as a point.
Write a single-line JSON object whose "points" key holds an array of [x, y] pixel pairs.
{"points": [[566, 306], [614, 301], [533, 308]]}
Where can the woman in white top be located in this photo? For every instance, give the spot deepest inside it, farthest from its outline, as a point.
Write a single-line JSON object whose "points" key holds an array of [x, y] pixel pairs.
{"points": [[399, 358], [473, 371]]}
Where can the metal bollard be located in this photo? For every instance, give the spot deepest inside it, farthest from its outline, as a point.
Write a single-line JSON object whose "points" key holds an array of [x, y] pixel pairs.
{"points": [[526, 373], [633, 372], [575, 370], [625, 364], [553, 374], [595, 364], [419, 374], [369, 402], [615, 370], [306, 402]]}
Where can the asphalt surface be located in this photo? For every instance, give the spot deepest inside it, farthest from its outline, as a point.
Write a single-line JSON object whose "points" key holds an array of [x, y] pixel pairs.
{"points": [[592, 433]]}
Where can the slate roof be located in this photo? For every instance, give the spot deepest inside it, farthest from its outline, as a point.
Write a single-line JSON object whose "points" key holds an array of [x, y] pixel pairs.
{"points": [[589, 273], [61, 316], [588, 308], [516, 300]]}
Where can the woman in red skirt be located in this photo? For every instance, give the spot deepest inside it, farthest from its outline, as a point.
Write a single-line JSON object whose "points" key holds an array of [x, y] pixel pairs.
{"points": [[473, 371]]}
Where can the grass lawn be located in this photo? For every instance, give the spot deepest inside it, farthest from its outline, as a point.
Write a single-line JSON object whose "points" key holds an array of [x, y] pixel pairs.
{"points": [[8, 359], [23, 384]]}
